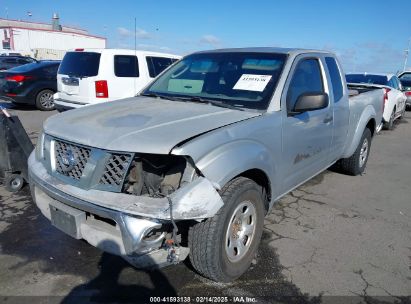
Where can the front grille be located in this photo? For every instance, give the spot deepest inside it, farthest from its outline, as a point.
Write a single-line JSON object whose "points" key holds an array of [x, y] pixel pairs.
{"points": [[71, 159], [115, 169]]}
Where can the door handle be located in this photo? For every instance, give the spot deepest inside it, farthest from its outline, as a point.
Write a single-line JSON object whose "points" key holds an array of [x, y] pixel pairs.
{"points": [[328, 119]]}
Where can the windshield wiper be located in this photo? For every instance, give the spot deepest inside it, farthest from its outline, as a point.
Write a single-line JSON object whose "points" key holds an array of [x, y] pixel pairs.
{"points": [[157, 96], [211, 102]]}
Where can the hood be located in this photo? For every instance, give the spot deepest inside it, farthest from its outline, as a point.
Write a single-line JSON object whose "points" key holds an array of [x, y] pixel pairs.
{"points": [[140, 124]]}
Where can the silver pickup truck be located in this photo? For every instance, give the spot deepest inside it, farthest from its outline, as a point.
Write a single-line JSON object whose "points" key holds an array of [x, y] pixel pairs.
{"points": [[192, 164]]}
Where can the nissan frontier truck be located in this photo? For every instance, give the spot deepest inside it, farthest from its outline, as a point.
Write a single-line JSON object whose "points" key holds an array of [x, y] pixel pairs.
{"points": [[191, 166]]}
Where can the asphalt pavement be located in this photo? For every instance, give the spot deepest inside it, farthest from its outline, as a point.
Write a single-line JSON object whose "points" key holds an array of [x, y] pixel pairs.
{"points": [[336, 239]]}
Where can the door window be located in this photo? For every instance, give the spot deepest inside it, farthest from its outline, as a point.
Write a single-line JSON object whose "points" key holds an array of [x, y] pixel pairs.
{"points": [[307, 78], [126, 66]]}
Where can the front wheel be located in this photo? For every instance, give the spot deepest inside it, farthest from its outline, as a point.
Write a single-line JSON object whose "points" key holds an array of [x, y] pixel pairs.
{"points": [[223, 247], [14, 182], [355, 164], [45, 100]]}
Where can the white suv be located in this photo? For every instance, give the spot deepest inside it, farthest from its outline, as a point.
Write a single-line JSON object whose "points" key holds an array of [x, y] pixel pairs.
{"points": [[91, 76]]}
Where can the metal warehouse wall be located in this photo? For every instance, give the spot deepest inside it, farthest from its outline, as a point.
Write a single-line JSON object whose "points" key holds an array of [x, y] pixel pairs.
{"points": [[24, 39]]}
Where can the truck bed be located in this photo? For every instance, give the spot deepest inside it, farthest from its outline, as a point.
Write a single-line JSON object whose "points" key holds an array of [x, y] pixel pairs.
{"points": [[364, 99]]}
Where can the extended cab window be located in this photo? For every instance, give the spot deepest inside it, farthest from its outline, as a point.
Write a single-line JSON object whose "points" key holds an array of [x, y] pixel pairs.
{"points": [[158, 64], [306, 79], [335, 78], [126, 66]]}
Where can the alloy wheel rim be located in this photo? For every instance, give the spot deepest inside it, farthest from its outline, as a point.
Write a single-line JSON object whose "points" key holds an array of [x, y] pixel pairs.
{"points": [[46, 100], [364, 152], [15, 183], [240, 231]]}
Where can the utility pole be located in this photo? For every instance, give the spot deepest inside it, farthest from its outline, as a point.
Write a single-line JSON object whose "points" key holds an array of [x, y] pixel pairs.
{"points": [[407, 52]]}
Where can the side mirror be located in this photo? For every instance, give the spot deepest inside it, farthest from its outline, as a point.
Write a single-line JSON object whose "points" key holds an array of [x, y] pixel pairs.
{"points": [[310, 102]]}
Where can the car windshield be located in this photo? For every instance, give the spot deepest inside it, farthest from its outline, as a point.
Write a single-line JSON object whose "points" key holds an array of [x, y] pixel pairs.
{"points": [[240, 80], [80, 64], [405, 76], [367, 78], [406, 84]]}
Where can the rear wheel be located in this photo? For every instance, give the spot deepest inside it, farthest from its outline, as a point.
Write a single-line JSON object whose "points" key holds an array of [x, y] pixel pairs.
{"points": [[355, 164], [390, 124], [222, 247], [402, 113], [45, 101]]}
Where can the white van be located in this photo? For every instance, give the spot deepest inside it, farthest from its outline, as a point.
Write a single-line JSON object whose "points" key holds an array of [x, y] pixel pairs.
{"points": [[91, 76]]}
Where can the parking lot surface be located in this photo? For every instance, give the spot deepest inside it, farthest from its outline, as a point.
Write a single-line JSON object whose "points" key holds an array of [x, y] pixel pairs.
{"points": [[336, 235]]}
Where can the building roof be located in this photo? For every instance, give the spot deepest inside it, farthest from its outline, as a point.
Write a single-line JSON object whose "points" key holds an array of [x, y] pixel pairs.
{"points": [[39, 26]]}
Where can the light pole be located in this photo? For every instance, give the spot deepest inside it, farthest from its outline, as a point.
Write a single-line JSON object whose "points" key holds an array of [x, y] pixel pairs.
{"points": [[407, 51]]}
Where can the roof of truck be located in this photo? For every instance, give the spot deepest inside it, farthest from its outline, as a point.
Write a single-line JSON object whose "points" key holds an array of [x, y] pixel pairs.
{"points": [[125, 52], [265, 50]]}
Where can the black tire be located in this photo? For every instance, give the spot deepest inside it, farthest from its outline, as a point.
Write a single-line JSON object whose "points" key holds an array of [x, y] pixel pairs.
{"points": [[402, 113], [390, 124], [14, 182], [355, 164], [208, 240], [43, 101]]}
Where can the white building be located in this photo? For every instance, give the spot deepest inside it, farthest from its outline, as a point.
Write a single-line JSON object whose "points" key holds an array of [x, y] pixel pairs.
{"points": [[45, 41]]}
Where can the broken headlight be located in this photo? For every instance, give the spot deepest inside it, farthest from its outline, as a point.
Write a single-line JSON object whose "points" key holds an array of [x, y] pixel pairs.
{"points": [[157, 175]]}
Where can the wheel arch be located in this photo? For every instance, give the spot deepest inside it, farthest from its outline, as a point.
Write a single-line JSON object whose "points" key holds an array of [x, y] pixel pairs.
{"points": [[366, 120], [372, 126], [261, 179]]}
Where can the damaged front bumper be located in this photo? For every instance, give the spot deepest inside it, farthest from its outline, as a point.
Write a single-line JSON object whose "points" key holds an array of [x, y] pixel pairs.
{"points": [[115, 222]]}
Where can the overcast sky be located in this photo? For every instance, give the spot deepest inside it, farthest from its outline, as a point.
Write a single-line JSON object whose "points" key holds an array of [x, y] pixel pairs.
{"points": [[367, 35]]}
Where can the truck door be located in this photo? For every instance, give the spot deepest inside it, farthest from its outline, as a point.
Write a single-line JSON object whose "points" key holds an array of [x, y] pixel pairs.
{"points": [[306, 136]]}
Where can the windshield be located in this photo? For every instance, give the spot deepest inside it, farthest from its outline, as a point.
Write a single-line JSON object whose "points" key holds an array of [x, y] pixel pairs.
{"points": [[80, 64], [406, 84], [366, 78], [405, 76], [242, 80]]}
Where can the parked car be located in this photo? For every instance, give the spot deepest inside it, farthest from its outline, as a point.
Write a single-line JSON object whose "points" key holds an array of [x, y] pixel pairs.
{"points": [[405, 79], [8, 62], [6, 52], [33, 84], [90, 76], [192, 164], [394, 100]]}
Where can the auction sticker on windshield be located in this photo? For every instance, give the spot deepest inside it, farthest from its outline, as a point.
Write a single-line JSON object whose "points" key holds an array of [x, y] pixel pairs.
{"points": [[251, 82]]}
